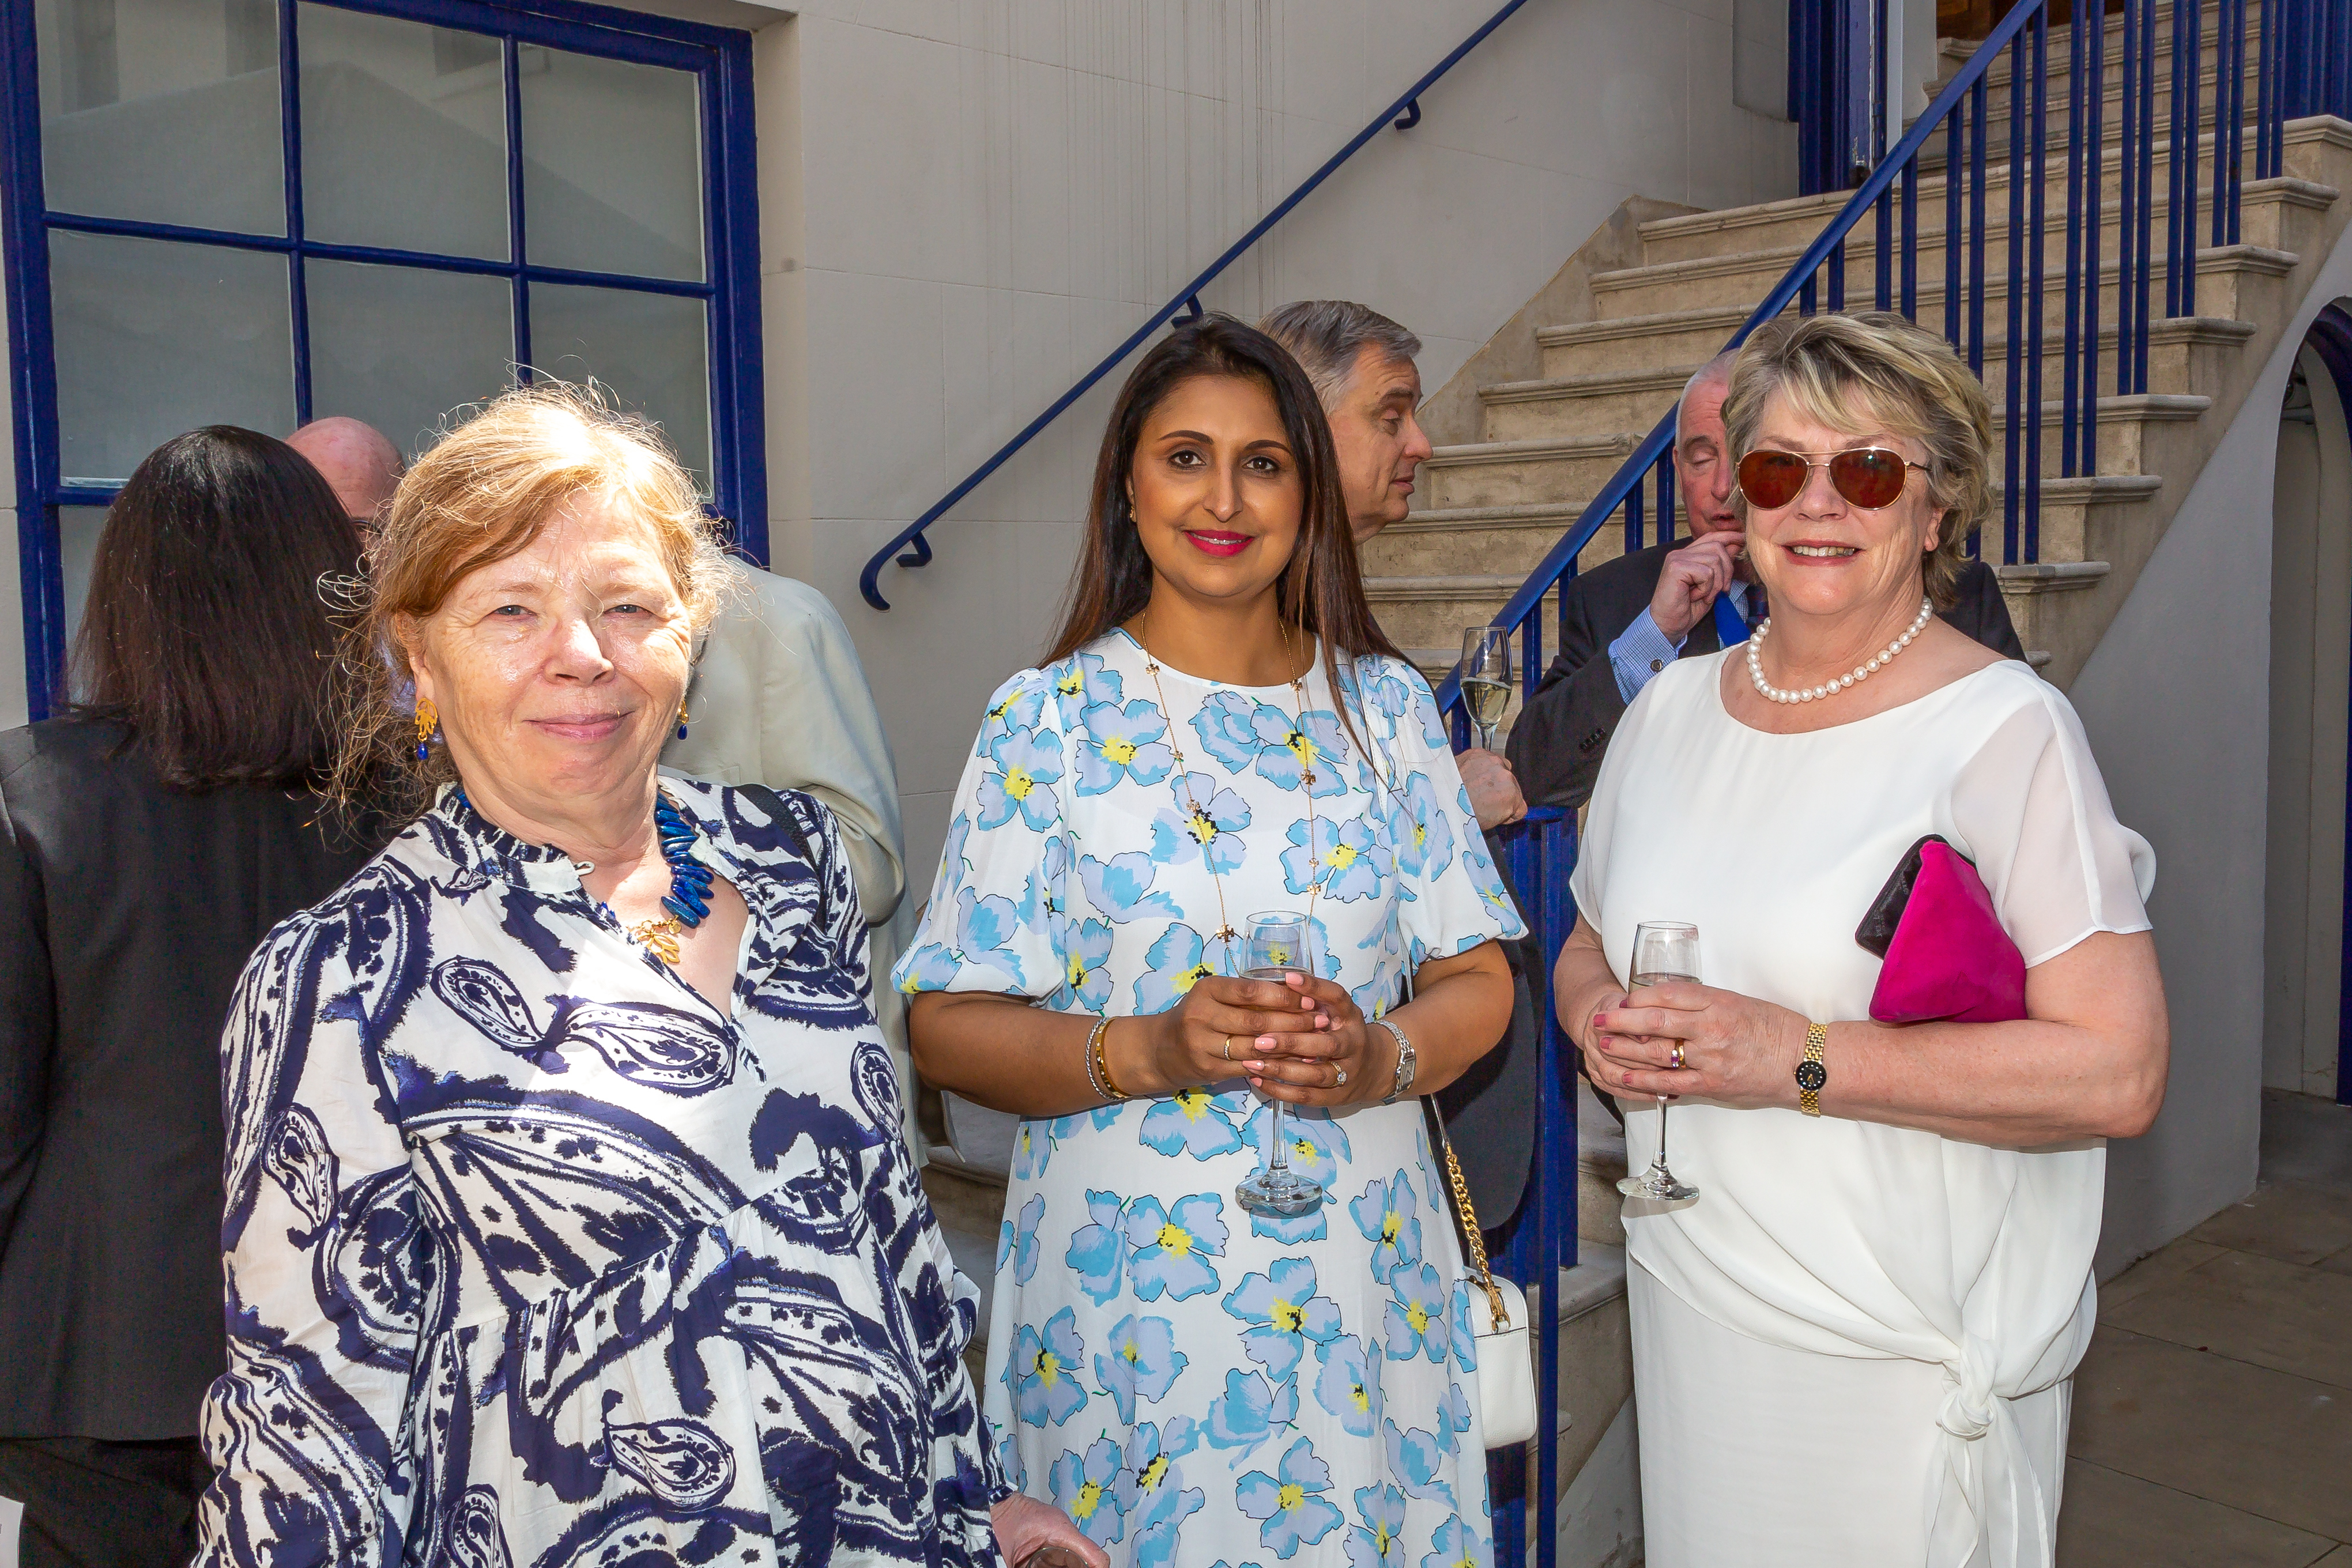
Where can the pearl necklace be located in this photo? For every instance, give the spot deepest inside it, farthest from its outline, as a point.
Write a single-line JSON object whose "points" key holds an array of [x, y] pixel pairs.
{"points": [[1829, 688]]}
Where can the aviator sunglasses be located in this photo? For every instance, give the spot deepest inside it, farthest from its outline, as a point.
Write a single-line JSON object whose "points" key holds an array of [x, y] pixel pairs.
{"points": [[1868, 477]]}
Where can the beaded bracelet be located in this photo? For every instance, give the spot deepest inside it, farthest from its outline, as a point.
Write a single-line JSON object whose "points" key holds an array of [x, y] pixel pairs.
{"points": [[1098, 1063]]}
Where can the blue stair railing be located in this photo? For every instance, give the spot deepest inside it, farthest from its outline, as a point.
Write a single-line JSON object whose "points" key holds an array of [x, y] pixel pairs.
{"points": [[2303, 66], [1402, 115]]}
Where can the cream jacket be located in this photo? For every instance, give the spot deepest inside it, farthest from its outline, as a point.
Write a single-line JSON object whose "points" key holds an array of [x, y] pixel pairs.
{"points": [[779, 698]]}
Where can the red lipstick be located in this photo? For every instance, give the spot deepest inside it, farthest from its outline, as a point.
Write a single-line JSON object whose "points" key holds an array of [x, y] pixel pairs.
{"points": [[1216, 543]]}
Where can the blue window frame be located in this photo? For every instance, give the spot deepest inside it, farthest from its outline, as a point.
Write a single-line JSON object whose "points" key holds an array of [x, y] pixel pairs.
{"points": [[252, 234]]}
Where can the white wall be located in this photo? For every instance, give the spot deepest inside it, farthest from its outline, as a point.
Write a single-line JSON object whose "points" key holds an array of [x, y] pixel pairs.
{"points": [[969, 202], [2176, 703]]}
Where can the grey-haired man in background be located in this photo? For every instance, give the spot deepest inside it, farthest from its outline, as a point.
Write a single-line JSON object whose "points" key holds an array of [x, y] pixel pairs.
{"points": [[1362, 366]]}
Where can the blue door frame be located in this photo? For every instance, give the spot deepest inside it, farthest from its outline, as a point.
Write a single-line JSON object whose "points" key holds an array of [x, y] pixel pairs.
{"points": [[720, 58], [1837, 90], [2331, 339]]}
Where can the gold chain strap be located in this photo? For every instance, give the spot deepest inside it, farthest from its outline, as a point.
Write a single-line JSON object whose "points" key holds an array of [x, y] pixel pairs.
{"points": [[1470, 1232]]}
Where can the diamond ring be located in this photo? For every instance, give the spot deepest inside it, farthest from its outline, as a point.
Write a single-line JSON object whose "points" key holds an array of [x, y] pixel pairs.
{"points": [[1676, 1056], [1339, 1076]]}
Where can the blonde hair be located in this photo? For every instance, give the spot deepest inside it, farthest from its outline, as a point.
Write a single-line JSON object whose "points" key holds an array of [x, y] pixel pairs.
{"points": [[482, 494], [1873, 370]]}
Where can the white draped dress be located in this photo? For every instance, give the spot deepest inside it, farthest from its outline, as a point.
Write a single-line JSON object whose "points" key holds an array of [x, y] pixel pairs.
{"points": [[1855, 1347]]}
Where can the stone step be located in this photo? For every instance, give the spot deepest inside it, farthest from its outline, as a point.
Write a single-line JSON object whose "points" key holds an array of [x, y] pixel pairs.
{"points": [[2232, 280], [2058, 89], [2084, 521], [2317, 150], [1514, 473], [1954, 54], [2180, 349], [1635, 401], [1433, 541], [2267, 214], [1627, 400], [1429, 612], [2080, 520], [1494, 540]]}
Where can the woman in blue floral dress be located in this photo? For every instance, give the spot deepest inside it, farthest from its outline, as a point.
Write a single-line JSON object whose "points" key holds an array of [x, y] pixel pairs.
{"points": [[1220, 730]]}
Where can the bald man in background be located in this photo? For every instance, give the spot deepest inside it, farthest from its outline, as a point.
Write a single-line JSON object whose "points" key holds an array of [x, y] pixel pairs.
{"points": [[357, 461]]}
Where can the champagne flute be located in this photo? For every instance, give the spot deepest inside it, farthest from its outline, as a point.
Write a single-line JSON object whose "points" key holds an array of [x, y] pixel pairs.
{"points": [[1662, 951], [1486, 678], [1274, 948]]}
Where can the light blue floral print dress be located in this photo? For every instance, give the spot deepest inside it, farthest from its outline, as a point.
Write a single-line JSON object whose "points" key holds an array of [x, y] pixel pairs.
{"points": [[1191, 1383]]}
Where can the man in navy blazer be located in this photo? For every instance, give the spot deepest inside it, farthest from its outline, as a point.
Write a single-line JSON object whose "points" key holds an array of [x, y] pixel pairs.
{"points": [[1626, 620]]}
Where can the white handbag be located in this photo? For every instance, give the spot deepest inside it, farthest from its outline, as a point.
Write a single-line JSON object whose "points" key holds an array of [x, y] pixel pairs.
{"points": [[1498, 1320]]}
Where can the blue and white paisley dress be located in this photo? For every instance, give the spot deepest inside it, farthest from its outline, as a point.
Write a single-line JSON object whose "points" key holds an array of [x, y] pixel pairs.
{"points": [[536, 1257], [1192, 1385]]}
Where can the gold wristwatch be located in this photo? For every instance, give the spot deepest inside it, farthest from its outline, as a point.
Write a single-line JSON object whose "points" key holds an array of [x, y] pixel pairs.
{"points": [[1811, 1074]]}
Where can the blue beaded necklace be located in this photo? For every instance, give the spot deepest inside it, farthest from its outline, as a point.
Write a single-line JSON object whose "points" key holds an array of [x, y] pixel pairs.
{"points": [[688, 902], [689, 899]]}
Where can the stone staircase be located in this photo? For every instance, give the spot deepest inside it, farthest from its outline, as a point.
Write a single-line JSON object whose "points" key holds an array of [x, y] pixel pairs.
{"points": [[1653, 296]]}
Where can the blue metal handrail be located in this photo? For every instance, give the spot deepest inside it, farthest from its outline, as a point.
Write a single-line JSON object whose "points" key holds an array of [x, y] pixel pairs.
{"points": [[1965, 330], [1539, 852], [1403, 115], [1559, 561]]}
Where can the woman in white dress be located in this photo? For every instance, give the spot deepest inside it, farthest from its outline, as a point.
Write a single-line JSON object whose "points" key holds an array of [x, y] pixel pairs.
{"points": [[1218, 729], [1854, 1345]]}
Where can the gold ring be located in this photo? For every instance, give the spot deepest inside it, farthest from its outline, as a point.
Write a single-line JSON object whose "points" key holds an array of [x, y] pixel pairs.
{"points": [[1339, 1076], [1676, 1056], [1228, 1049]]}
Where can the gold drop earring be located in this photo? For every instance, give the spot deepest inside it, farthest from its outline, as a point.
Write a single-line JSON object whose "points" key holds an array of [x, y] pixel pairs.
{"points": [[682, 721], [427, 721]]}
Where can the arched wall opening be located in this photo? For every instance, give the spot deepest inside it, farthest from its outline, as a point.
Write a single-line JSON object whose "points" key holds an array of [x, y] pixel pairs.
{"points": [[2307, 961]]}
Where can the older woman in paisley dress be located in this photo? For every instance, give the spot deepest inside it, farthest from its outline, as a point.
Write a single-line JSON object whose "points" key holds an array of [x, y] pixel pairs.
{"points": [[568, 1217], [1220, 728]]}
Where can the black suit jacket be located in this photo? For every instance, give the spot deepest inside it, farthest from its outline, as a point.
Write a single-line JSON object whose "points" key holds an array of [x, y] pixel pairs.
{"points": [[1563, 730], [127, 910]]}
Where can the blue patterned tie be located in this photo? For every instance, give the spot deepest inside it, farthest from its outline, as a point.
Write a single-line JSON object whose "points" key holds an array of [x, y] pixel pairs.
{"points": [[1730, 629]]}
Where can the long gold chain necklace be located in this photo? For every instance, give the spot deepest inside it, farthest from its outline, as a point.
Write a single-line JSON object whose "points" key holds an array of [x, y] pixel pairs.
{"points": [[1301, 746]]}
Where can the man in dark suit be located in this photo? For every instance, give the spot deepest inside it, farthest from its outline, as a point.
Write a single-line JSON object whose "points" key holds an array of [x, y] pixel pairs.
{"points": [[1627, 620]]}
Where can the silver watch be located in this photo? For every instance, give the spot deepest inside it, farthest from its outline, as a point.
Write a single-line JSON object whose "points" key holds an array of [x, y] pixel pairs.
{"points": [[1406, 1063]]}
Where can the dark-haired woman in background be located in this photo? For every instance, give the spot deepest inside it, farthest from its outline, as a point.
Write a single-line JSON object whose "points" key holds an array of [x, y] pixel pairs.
{"points": [[1221, 728], [148, 841]]}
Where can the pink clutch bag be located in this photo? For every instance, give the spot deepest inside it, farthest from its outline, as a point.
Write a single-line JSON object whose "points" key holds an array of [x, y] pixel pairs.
{"points": [[1944, 952]]}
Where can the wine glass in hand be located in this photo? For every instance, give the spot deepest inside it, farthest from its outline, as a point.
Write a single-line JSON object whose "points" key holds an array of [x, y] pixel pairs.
{"points": [[1274, 948], [1663, 950], [1486, 678]]}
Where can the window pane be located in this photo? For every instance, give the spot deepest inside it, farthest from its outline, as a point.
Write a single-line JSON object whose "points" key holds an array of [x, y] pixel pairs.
{"points": [[403, 135], [78, 531], [154, 338], [650, 349], [612, 171], [400, 347], [165, 111]]}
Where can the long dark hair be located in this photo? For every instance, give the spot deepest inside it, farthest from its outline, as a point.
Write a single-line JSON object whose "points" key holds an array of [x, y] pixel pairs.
{"points": [[1320, 591], [207, 631]]}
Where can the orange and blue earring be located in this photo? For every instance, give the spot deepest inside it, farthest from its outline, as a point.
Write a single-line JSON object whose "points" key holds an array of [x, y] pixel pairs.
{"points": [[682, 721], [427, 721]]}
